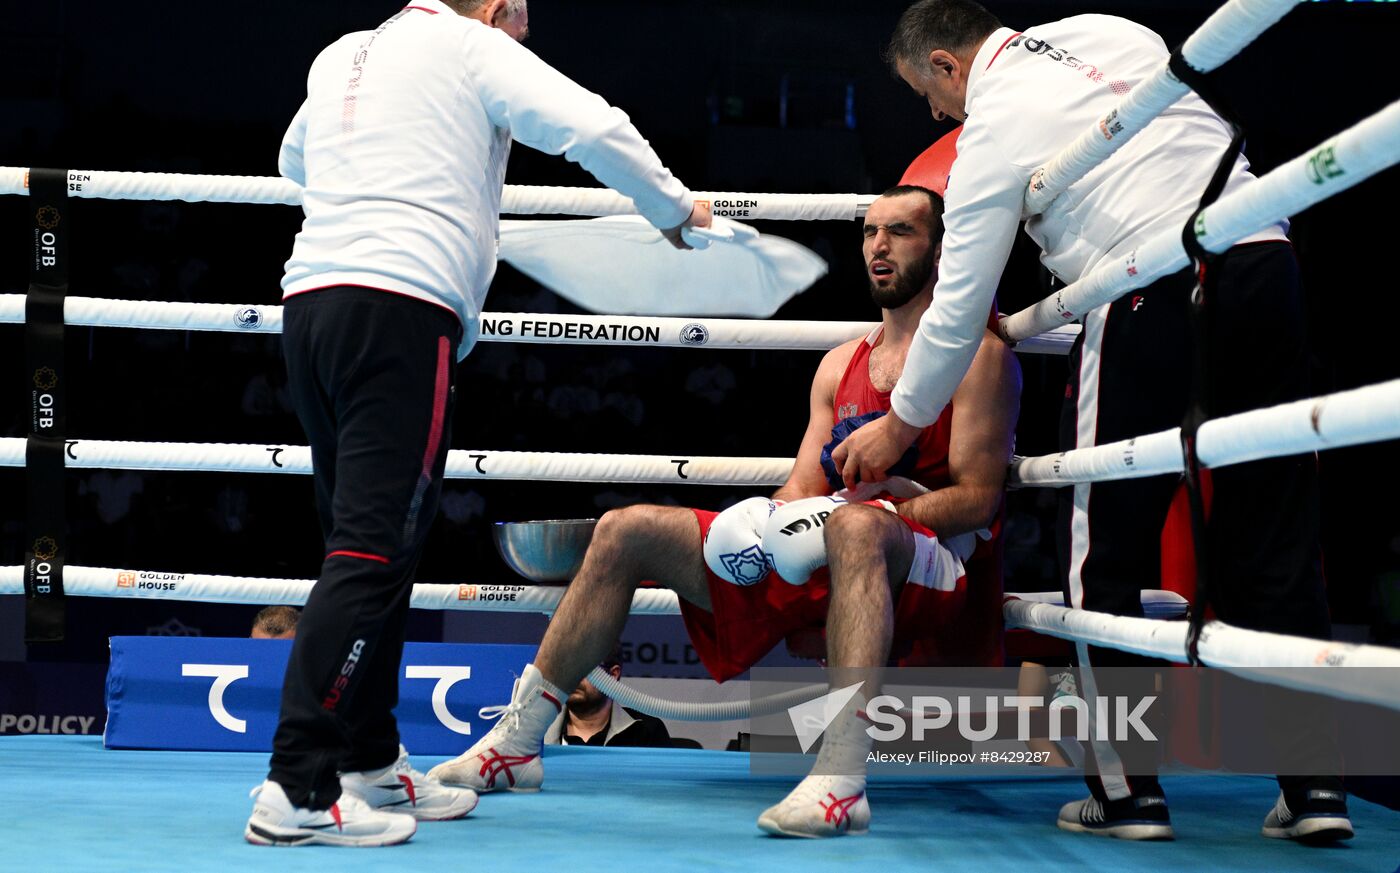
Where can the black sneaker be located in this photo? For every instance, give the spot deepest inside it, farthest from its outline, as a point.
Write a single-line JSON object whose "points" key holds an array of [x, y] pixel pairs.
{"points": [[1316, 816], [1132, 818]]}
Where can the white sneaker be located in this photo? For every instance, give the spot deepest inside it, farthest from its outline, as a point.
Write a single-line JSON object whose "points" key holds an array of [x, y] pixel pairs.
{"points": [[400, 788], [349, 822], [820, 806], [508, 758]]}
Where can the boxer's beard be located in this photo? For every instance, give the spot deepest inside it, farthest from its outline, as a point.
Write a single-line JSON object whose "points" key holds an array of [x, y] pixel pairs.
{"points": [[907, 284]]}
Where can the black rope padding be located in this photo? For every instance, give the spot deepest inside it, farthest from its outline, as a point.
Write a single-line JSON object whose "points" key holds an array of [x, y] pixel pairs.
{"points": [[45, 516], [1201, 404]]}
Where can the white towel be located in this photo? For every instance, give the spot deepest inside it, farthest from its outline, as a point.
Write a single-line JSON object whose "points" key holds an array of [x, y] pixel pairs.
{"points": [[620, 265]]}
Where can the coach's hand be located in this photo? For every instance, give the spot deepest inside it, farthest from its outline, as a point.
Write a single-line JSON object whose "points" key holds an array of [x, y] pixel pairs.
{"points": [[868, 453], [700, 216]]}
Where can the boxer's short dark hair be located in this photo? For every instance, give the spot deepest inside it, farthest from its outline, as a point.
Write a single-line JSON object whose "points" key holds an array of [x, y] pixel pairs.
{"points": [[935, 204]]}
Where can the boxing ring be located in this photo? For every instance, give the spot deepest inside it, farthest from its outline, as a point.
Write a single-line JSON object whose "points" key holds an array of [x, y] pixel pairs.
{"points": [[71, 803]]}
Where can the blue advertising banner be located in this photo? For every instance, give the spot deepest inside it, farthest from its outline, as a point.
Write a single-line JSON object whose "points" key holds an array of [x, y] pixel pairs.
{"points": [[211, 694]]}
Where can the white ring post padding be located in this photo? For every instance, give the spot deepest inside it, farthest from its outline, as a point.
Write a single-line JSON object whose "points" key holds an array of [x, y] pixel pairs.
{"points": [[515, 199], [461, 463], [1339, 163], [1228, 30], [505, 327], [1273, 658], [1347, 418], [203, 588]]}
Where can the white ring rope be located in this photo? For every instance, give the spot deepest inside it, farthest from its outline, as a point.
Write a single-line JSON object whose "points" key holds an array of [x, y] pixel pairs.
{"points": [[504, 327], [515, 200], [205, 588], [1265, 657], [461, 463], [1347, 418], [1223, 35], [1255, 655], [1339, 163]]}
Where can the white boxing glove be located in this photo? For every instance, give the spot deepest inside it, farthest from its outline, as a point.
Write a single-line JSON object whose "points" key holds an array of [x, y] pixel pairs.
{"points": [[794, 538], [734, 544]]}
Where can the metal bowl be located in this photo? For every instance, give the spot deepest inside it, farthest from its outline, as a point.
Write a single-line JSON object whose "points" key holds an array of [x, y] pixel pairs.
{"points": [[544, 551]]}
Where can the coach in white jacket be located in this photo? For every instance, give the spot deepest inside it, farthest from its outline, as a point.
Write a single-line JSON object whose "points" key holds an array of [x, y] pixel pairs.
{"points": [[1024, 96], [401, 147]]}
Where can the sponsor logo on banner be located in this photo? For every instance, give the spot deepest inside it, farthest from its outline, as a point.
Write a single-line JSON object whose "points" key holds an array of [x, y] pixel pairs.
{"points": [[446, 677], [224, 694], [223, 675], [1110, 126], [45, 548], [143, 581], [47, 217], [733, 208], [25, 723], [1323, 165], [573, 330], [695, 334], [248, 318], [490, 593]]}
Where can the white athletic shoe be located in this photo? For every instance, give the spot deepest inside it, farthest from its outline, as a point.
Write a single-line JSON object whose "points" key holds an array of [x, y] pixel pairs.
{"points": [[508, 758], [349, 822], [400, 788], [820, 806]]}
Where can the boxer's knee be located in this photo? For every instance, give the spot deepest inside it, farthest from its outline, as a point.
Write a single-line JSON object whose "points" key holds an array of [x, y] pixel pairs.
{"points": [[862, 535], [633, 535]]}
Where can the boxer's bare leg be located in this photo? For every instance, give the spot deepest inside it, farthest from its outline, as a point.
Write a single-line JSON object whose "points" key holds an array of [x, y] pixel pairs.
{"points": [[868, 549], [657, 543]]}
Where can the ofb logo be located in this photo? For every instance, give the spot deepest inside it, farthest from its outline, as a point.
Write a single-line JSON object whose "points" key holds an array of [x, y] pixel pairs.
{"points": [[45, 548], [47, 217], [45, 378]]}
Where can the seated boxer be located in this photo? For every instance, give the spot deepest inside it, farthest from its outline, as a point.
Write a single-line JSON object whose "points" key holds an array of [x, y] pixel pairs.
{"points": [[911, 583]]}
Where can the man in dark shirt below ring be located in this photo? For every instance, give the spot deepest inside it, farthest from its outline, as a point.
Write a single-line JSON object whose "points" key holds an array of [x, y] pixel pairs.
{"points": [[592, 719]]}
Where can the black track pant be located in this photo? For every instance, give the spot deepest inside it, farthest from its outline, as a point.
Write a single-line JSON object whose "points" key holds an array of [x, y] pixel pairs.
{"points": [[371, 376], [1130, 375]]}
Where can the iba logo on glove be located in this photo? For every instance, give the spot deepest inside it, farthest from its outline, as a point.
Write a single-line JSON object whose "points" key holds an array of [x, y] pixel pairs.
{"points": [[809, 522]]}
